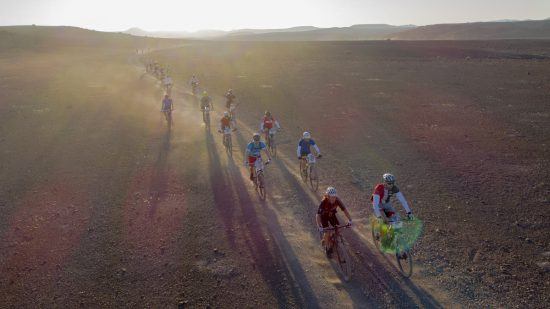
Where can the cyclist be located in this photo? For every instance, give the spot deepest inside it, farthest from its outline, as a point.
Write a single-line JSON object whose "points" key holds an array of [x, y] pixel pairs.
{"points": [[229, 96], [381, 199], [225, 122], [253, 152], [167, 105], [167, 81], [194, 82], [327, 214], [206, 101], [304, 146], [268, 121]]}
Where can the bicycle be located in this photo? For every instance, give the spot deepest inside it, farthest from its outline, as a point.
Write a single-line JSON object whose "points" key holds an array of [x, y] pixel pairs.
{"points": [[168, 116], [258, 177], [339, 249], [227, 142], [194, 88], [390, 235], [308, 171], [270, 141]]}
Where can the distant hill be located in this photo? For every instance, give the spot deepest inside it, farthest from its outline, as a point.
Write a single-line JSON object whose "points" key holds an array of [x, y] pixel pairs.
{"points": [[352, 33], [533, 29], [62, 36]]}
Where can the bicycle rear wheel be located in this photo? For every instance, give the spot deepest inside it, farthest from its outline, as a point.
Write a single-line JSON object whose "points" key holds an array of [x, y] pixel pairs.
{"points": [[343, 259], [375, 236], [261, 186], [313, 178]]}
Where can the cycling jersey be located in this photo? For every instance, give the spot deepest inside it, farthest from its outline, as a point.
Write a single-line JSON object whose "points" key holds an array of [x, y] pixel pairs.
{"points": [[205, 101], [225, 122], [326, 208], [255, 150], [304, 147], [166, 104], [381, 198], [268, 122], [230, 97]]}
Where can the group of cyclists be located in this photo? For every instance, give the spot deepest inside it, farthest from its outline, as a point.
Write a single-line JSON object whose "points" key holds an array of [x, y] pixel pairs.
{"points": [[381, 197]]}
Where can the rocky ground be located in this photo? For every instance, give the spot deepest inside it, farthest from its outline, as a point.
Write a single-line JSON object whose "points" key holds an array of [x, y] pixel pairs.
{"points": [[102, 205]]}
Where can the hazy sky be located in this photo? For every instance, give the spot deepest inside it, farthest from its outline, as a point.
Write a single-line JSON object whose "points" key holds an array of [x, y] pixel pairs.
{"points": [[114, 15]]}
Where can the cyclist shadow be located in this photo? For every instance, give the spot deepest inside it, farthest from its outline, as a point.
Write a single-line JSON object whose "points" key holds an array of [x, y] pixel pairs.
{"points": [[286, 280], [159, 181], [367, 263]]}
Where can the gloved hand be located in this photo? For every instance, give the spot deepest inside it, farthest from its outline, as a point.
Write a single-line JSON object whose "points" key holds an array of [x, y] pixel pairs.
{"points": [[319, 156], [267, 162], [321, 229], [410, 216], [349, 222]]}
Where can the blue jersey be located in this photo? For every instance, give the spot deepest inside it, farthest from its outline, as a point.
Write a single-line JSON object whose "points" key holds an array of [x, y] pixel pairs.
{"points": [[255, 150], [166, 104], [305, 146]]}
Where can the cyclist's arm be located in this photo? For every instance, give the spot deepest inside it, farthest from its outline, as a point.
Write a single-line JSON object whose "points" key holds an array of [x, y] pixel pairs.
{"points": [[261, 126], [318, 219], [403, 202], [277, 124], [317, 149], [299, 151], [375, 205], [267, 153], [344, 209]]}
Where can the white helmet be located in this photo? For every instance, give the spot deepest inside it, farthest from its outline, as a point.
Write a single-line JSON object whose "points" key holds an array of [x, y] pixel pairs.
{"points": [[226, 113], [306, 135], [331, 191], [256, 137], [388, 178]]}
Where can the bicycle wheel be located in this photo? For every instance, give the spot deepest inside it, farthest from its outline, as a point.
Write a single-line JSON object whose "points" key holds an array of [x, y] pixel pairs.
{"points": [[272, 148], [303, 170], [261, 186], [313, 178], [375, 236], [405, 262], [229, 146], [343, 259]]}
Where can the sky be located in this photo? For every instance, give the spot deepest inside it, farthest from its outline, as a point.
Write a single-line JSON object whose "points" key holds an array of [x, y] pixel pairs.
{"points": [[184, 15]]}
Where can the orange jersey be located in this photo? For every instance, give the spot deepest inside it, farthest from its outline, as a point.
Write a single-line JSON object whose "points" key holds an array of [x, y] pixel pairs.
{"points": [[226, 122]]}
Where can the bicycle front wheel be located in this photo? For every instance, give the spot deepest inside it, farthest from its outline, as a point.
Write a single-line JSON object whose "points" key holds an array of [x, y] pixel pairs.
{"points": [[313, 178], [229, 146], [261, 186], [303, 170], [343, 259], [404, 261]]}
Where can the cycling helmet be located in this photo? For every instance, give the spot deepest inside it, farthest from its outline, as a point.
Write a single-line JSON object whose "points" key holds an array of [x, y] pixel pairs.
{"points": [[331, 191], [306, 135], [388, 178], [230, 90], [256, 137], [225, 114], [268, 113], [204, 93]]}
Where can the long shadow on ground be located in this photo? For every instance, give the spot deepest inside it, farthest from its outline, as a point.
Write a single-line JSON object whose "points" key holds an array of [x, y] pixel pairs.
{"points": [[366, 262], [286, 280]]}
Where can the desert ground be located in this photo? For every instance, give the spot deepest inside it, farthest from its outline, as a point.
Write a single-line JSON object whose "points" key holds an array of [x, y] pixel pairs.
{"points": [[103, 205]]}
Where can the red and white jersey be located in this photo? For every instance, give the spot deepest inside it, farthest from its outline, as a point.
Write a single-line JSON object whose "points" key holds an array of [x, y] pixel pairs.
{"points": [[268, 123], [382, 195]]}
